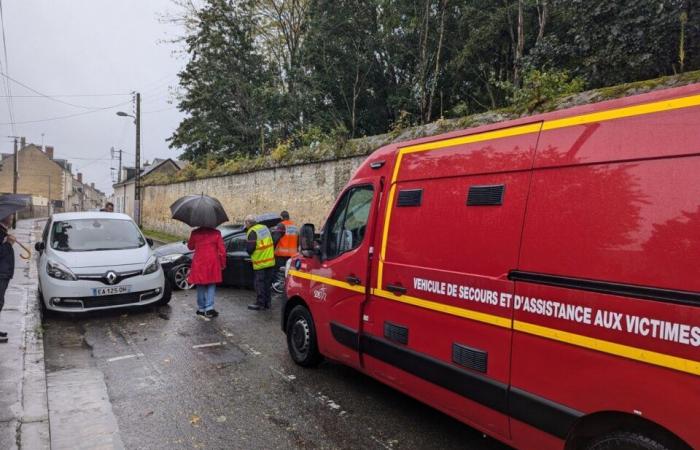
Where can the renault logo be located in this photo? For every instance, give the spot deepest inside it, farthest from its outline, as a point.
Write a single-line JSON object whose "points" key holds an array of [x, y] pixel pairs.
{"points": [[111, 277]]}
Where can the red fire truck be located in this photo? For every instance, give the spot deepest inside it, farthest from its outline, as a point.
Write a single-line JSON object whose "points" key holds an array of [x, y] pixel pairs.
{"points": [[537, 279]]}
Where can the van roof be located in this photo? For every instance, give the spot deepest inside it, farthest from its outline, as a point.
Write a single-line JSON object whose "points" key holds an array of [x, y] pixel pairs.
{"points": [[661, 95]]}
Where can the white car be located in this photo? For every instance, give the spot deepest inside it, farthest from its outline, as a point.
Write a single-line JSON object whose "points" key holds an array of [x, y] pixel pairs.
{"points": [[97, 260]]}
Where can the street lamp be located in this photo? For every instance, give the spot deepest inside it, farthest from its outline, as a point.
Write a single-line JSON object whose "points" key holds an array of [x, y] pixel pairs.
{"points": [[137, 178]]}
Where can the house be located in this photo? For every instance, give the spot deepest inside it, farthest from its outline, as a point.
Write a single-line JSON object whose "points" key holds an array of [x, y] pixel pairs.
{"points": [[41, 176], [124, 190], [84, 197]]}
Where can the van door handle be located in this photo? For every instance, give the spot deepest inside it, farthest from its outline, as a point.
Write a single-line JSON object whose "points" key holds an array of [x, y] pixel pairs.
{"points": [[396, 289], [352, 279]]}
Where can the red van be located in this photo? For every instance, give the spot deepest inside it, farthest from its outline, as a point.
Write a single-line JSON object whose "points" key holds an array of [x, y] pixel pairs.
{"points": [[537, 279]]}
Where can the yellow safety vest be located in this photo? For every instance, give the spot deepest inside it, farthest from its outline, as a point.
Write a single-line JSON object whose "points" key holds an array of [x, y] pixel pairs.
{"points": [[264, 254]]}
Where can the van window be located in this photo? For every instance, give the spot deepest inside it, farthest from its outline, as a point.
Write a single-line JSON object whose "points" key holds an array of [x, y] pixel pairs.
{"points": [[347, 225]]}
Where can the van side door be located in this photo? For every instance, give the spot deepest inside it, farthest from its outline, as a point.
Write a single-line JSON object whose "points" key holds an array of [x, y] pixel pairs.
{"points": [[338, 280], [439, 322]]}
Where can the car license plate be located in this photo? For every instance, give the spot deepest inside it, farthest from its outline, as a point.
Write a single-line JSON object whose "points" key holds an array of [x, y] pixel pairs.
{"points": [[114, 290]]}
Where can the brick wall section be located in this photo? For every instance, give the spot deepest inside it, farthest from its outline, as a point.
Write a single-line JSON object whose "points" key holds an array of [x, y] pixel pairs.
{"points": [[307, 191]]}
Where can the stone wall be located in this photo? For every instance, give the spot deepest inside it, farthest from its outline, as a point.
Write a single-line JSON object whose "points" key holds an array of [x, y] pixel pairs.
{"points": [[307, 191]]}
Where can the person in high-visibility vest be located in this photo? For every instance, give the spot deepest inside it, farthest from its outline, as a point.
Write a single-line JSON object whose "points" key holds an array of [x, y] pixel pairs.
{"points": [[261, 249], [286, 234], [287, 246]]}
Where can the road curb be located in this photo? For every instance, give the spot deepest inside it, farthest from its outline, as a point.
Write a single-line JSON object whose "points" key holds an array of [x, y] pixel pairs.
{"points": [[34, 422]]}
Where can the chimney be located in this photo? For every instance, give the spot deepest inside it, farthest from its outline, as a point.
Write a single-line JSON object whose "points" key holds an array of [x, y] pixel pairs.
{"points": [[92, 185], [80, 177], [49, 151], [22, 142]]}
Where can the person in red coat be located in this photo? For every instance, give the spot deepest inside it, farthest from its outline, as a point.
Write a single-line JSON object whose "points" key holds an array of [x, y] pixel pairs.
{"points": [[208, 262]]}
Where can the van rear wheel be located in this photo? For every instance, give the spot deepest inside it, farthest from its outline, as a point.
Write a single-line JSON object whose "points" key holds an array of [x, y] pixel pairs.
{"points": [[624, 440], [301, 338]]}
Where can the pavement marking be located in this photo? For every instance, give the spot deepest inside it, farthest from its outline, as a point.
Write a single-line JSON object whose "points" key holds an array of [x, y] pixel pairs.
{"points": [[211, 344], [251, 350], [119, 358]]}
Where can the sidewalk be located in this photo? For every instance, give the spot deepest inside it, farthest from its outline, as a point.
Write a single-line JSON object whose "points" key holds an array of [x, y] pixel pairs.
{"points": [[24, 421]]}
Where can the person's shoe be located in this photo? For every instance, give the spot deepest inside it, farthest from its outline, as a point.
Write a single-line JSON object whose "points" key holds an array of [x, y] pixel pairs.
{"points": [[3, 340], [201, 313], [3, 334], [212, 313], [254, 307], [266, 307]]}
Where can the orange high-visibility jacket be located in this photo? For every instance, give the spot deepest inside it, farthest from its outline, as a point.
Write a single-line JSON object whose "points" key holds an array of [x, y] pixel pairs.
{"points": [[287, 245]]}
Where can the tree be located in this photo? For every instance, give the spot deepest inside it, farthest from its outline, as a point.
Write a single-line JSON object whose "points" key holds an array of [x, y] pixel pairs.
{"points": [[226, 84]]}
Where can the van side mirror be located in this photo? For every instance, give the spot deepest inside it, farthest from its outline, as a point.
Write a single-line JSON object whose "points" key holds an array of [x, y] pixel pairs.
{"points": [[307, 240], [39, 247]]}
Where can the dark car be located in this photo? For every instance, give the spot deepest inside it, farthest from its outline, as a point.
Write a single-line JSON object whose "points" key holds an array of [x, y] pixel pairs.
{"points": [[176, 258]]}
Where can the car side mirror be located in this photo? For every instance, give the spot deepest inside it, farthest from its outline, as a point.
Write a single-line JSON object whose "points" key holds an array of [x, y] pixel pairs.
{"points": [[307, 240], [149, 241], [39, 246]]}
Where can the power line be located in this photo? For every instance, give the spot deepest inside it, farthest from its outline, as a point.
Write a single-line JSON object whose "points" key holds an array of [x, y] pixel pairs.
{"points": [[8, 89], [68, 116], [41, 94], [66, 95]]}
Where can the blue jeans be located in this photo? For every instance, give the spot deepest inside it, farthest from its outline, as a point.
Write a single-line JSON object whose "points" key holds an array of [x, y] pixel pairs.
{"points": [[205, 296]]}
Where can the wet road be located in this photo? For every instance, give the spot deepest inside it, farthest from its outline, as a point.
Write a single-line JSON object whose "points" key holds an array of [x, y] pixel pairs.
{"points": [[176, 380]]}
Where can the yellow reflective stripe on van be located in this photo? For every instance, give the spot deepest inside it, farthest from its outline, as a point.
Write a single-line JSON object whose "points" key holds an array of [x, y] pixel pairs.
{"points": [[490, 319], [612, 348], [620, 113], [329, 281], [478, 137]]}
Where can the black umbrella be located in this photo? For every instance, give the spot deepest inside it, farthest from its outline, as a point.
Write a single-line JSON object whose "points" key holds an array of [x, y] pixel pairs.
{"points": [[11, 203], [199, 211]]}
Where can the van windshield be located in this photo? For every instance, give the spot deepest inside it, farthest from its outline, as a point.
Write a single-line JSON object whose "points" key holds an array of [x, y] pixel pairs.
{"points": [[85, 235]]}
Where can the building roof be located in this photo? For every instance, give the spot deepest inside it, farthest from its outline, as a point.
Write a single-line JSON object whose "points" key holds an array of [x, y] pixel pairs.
{"points": [[146, 169]]}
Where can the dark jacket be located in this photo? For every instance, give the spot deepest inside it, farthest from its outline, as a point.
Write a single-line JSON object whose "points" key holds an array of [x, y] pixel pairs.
{"points": [[7, 256]]}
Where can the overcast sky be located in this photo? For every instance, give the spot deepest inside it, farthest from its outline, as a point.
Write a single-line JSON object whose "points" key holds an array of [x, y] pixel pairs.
{"points": [[90, 47]]}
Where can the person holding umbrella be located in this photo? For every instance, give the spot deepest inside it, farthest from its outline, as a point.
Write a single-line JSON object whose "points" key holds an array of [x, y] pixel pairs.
{"points": [[9, 205], [205, 213]]}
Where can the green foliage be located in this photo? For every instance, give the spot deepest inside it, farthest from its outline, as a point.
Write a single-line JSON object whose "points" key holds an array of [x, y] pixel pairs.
{"points": [[277, 81], [541, 87]]}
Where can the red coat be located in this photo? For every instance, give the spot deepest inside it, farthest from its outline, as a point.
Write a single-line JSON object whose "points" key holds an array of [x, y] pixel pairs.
{"points": [[209, 256]]}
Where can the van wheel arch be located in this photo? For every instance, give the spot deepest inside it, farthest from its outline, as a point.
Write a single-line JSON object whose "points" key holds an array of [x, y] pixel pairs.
{"points": [[590, 427]]}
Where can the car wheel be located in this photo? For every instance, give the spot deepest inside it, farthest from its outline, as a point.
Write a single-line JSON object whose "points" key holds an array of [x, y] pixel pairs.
{"points": [[180, 276], [167, 295], [624, 440], [45, 312], [301, 338]]}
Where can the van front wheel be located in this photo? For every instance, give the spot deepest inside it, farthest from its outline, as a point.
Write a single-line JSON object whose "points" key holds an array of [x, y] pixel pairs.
{"points": [[623, 440], [301, 338]]}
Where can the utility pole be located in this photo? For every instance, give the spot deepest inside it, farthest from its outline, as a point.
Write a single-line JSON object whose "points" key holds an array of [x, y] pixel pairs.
{"points": [[119, 173], [15, 175], [137, 180]]}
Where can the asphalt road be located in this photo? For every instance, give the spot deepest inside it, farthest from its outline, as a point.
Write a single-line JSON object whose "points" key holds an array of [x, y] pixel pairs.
{"points": [[176, 380]]}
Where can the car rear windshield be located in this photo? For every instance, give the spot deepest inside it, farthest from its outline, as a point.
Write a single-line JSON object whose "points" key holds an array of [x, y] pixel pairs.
{"points": [[85, 235]]}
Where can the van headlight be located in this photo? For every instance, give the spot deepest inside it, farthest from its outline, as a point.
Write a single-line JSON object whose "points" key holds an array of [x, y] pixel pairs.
{"points": [[151, 265], [59, 271], [167, 259]]}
